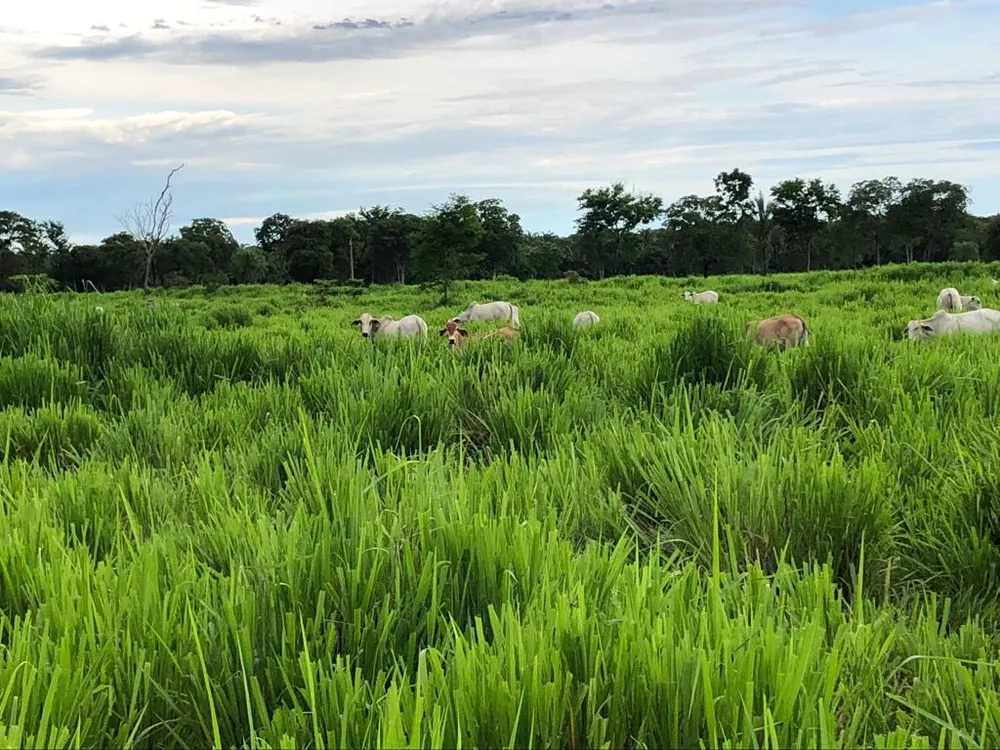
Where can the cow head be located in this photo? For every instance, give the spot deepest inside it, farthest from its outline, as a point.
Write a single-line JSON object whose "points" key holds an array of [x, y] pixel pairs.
{"points": [[456, 334], [975, 304], [917, 330], [368, 324]]}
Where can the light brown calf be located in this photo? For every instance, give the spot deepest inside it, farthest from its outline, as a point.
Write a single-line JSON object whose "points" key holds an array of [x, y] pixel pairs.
{"points": [[458, 336], [781, 331]]}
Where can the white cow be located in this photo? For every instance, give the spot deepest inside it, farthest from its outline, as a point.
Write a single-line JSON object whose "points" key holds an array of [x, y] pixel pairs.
{"points": [[702, 298], [586, 318], [950, 300], [982, 320], [411, 325], [490, 311]]}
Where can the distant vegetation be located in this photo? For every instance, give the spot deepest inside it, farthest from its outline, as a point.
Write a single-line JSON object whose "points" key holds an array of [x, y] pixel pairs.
{"points": [[800, 225], [227, 520]]}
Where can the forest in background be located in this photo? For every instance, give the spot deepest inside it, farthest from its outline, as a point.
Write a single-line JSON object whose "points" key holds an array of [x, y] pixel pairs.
{"points": [[798, 225]]}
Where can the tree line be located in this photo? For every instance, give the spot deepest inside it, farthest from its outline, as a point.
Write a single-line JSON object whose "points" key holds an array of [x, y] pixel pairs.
{"points": [[798, 225]]}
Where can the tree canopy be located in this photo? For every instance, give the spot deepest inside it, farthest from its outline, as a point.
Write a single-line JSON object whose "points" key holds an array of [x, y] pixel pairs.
{"points": [[796, 224]]}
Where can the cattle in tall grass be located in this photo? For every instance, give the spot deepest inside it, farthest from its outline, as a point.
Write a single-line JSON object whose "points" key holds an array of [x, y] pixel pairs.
{"points": [[458, 336], [702, 298], [387, 326], [950, 300], [983, 320], [586, 319], [781, 331], [490, 311]]}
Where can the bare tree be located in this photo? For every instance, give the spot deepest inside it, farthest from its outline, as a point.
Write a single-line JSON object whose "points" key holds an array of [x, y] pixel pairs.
{"points": [[148, 223]]}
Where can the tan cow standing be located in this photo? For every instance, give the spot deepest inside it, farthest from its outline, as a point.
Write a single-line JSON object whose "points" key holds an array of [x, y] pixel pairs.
{"points": [[781, 331]]}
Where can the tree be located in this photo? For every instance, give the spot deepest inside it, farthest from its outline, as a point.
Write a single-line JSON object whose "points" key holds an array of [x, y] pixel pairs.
{"points": [[149, 223], [764, 231], [27, 247], [991, 247], [693, 225], [248, 265], [447, 243], [801, 209], [733, 189], [610, 217], [215, 237], [928, 215], [502, 237], [868, 205], [388, 235]]}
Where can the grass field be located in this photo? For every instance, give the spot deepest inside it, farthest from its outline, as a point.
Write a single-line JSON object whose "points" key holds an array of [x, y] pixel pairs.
{"points": [[231, 521]]}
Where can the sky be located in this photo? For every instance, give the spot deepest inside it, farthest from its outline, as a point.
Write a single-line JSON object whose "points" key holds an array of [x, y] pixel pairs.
{"points": [[282, 106]]}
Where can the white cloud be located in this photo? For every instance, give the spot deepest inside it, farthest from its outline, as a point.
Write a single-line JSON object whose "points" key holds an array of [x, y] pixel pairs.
{"points": [[525, 100]]}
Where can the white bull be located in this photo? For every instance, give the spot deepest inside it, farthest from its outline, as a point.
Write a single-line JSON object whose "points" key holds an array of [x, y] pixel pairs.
{"points": [[983, 320], [490, 311], [950, 300], [702, 298], [411, 325], [586, 318]]}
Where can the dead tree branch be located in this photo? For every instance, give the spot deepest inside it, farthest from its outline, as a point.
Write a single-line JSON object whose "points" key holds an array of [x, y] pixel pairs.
{"points": [[148, 224]]}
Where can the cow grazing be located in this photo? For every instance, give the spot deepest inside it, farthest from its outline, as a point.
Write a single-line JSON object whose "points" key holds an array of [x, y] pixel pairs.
{"points": [[411, 325], [983, 320], [702, 298], [950, 300], [586, 318], [781, 331], [458, 336], [490, 311]]}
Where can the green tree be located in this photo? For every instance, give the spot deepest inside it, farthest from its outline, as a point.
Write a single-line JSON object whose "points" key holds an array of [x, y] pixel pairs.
{"points": [[867, 208], [27, 247], [388, 235], [802, 209], [448, 242], [736, 208], [214, 236], [502, 237], [928, 216], [764, 231], [696, 234], [607, 228], [248, 265], [991, 246]]}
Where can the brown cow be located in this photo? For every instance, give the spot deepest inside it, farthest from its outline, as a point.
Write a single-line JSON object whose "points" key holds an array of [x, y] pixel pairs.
{"points": [[781, 331], [458, 336]]}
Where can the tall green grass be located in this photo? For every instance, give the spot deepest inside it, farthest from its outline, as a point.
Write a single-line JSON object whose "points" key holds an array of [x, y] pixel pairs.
{"points": [[233, 522]]}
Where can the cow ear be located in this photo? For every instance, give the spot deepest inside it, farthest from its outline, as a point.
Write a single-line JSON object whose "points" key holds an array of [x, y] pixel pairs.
{"points": [[442, 332], [926, 327], [463, 332], [356, 322]]}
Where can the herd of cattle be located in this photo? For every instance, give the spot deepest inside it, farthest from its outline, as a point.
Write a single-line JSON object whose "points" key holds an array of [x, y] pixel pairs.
{"points": [[955, 313], [781, 331]]}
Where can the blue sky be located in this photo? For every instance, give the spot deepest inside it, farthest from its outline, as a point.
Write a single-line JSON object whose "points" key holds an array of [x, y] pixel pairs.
{"points": [[277, 105]]}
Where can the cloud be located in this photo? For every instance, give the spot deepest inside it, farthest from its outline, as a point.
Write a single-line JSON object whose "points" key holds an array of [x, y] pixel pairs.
{"points": [[15, 84], [281, 107], [256, 221], [369, 37]]}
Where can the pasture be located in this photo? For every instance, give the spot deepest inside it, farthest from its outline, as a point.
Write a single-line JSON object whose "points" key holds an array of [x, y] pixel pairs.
{"points": [[231, 521]]}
